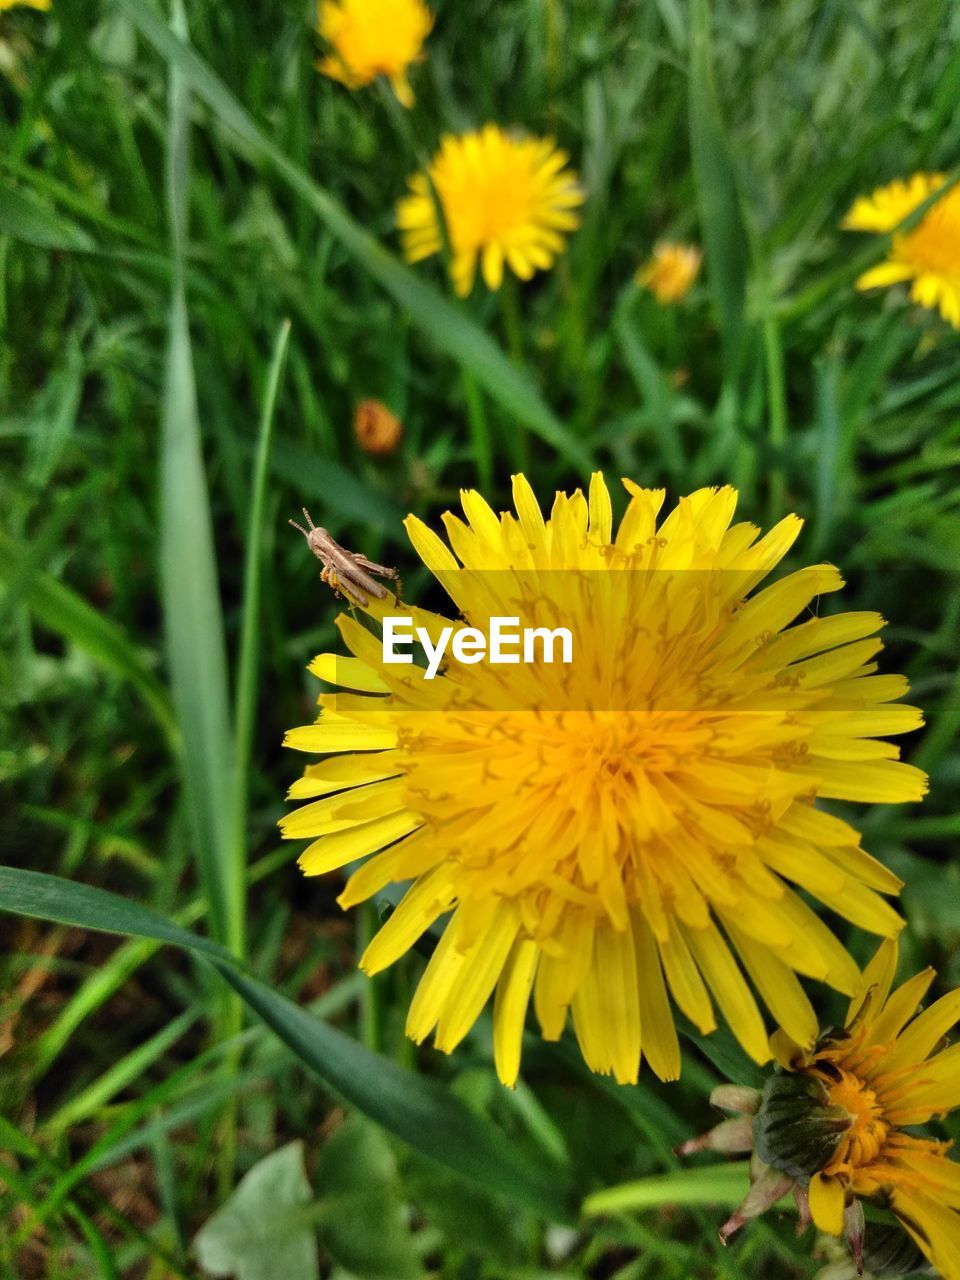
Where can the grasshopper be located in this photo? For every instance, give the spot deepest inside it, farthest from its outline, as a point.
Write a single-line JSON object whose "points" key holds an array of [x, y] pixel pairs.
{"points": [[347, 572]]}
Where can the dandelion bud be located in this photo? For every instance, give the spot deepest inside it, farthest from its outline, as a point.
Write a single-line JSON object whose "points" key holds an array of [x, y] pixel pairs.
{"points": [[670, 271], [796, 1129], [378, 431], [888, 1254]]}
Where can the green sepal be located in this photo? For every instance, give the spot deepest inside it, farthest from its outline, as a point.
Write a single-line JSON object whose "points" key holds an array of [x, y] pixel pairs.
{"points": [[796, 1129]]}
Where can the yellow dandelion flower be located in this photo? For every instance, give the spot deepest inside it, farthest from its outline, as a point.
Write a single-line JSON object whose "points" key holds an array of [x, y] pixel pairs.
{"points": [[507, 201], [43, 5], [929, 255], [634, 826], [833, 1125], [884, 1073], [671, 270], [371, 38]]}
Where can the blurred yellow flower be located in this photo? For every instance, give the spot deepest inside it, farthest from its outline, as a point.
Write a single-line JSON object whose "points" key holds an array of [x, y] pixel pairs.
{"points": [[638, 823], [670, 271], [25, 4], [507, 201], [834, 1125], [929, 255], [371, 38]]}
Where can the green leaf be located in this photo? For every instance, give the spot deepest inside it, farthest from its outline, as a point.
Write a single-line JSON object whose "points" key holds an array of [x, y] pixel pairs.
{"points": [[721, 1184], [191, 599], [31, 893], [245, 697], [359, 1190], [24, 218], [721, 224], [446, 324], [259, 1234], [414, 1108]]}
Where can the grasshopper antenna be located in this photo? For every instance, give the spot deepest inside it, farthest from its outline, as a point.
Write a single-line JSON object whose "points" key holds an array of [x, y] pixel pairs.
{"points": [[309, 520]]}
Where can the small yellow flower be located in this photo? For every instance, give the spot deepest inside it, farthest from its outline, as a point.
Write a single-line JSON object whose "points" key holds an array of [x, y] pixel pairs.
{"points": [[836, 1124], [638, 826], [371, 38], [929, 255], [506, 200], [25, 4], [670, 271]]}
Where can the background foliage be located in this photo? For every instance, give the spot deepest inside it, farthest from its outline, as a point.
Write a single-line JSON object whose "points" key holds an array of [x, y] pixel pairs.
{"points": [[163, 213]]}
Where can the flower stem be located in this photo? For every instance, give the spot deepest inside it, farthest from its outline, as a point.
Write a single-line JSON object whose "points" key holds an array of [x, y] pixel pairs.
{"points": [[479, 428], [513, 334], [777, 402]]}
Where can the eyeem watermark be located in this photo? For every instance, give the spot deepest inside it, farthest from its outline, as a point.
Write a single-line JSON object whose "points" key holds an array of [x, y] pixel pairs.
{"points": [[508, 644]]}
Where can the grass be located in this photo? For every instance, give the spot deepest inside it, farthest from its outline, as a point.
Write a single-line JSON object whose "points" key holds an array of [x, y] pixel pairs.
{"points": [[195, 294]]}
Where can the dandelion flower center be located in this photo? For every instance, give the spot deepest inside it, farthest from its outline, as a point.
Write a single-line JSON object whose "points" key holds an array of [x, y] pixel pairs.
{"points": [[864, 1141], [934, 246]]}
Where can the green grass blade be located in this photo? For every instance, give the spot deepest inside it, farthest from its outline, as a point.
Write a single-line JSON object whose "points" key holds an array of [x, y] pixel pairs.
{"points": [[650, 383], [13, 1139], [192, 614], [120, 1074], [721, 224], [833, 482], [91, 995], [104, 981], [444, 323], [62, 611], [245, 702], [25, 218], [416, 1109], [28, 1196], [41, 184], [190, 1101], [43, 897], [722, 1184]]}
